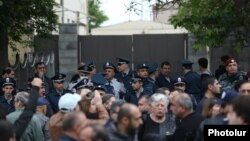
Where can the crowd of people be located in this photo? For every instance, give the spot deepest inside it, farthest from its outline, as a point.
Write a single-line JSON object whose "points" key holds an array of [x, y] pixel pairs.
{"points": [[121, 104]]}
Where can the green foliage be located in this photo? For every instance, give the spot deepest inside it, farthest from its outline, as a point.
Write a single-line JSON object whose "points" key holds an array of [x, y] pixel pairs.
{"points": [[24, 17], [215, 23], [96, 16]]}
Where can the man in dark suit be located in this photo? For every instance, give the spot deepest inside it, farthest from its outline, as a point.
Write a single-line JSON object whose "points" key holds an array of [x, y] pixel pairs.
{"points": [[164, 79]]}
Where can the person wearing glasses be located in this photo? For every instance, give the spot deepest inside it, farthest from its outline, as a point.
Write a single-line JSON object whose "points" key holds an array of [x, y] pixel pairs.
{"points": [[54, 95]]}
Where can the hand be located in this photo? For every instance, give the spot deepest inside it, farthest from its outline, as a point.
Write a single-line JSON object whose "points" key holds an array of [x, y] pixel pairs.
{"points": [[37, 82]]}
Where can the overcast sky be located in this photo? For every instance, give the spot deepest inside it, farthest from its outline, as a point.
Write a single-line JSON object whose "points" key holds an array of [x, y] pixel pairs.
{"points": [[116, 11]]}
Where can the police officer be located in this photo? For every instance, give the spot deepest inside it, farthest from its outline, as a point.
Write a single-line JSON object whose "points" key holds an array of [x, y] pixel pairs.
{"points": [[125, 74], [193, 80], [232, 76], [142, 71], [118, 88], [153, 74], [54, 95], [7, 99]]}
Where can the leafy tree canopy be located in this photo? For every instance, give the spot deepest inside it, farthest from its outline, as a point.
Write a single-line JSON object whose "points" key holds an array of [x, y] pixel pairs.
{"points": [[23, 17], [96, 16], [213, 23]]}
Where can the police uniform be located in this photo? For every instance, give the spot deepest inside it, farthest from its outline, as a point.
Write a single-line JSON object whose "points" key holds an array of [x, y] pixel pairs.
{"points": [[125, 77], [228, 82], [54, 96], [193, 81], [148, 86], [118, 88], [8, 105], [152, 69]]}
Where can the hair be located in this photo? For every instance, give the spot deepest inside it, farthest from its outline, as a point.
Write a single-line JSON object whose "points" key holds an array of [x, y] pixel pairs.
{"points": [[187, 66], [125, 111], [101, 134], [165, 63], [38, 64], [23, 97], [115, 104], [7, 70], [106, 98], [207, 106], [185, 101], [224, 58], [70, 120], [208, 81], [147, 97], [241, 107], [6, 130], [203, 62], [156, 97], [162, 90]]}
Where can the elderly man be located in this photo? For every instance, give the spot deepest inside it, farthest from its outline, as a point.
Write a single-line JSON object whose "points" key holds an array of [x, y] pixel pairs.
{"points": [[34, 130]]}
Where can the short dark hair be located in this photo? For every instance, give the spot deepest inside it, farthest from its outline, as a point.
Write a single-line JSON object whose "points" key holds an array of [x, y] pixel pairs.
{"points": [[241, 107], [162, 90], [100, 133], [224, 58], [203, 62], [165, 63], [7, 70], [115, 104], [70, 120], [208, 81], [6, 130], [38, 64]]}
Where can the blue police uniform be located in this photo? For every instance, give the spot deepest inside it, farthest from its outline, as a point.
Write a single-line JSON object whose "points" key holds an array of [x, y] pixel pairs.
{"points": [[53, 97], [193, 81]]}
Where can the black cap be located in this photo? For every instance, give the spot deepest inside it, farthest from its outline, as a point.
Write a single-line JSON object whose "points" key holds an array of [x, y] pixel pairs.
{"points": [[98, 79], [136, 79], [122, 60], [60, 77], [101, 87], [152, 68], [186, 62], [109, 65], [91, 64], [142, 66], [8, 81], [179, 80], [82, 84], [84, 69]]}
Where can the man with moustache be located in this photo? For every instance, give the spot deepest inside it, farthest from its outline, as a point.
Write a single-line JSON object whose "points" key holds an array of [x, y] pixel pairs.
{"points": [[128, 121]]}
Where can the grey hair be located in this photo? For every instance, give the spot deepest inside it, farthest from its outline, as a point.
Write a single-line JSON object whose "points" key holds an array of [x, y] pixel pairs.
{"points": [[185, 101], [23, 97], [156, 97]]}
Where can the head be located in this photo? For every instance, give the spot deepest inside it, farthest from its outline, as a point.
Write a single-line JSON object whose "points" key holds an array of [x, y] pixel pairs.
{"points": [[137, 84], [231, 66], [129, 119], [122, 67], [181, 105], [84, 71], [203, 63], [94, 133], [110, 73], [180, 84], [239, 111], [40, 68], [186, 66], [211, 107], [107, 100], [165, 68], [142, 70], [224, 59], [7, 131], [42, 105], [244, 88], [163, 90], [74, 122], [158, 104], [211, 85], [143, 103], [9, 72], [42, 90], [21, 99], [7, 90], [68, 102], [115, 108], [58, 82]]}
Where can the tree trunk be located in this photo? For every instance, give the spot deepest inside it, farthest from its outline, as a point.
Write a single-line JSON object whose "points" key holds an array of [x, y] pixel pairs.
{"points": [[3, 48]]}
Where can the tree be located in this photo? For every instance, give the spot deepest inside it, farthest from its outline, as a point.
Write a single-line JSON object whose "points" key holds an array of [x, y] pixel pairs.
{"points": [[214, 23], [24, 17], [96, 16]]}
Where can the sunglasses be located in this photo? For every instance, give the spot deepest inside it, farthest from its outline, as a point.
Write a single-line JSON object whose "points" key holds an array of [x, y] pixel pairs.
{"points": [[245, 91]]}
